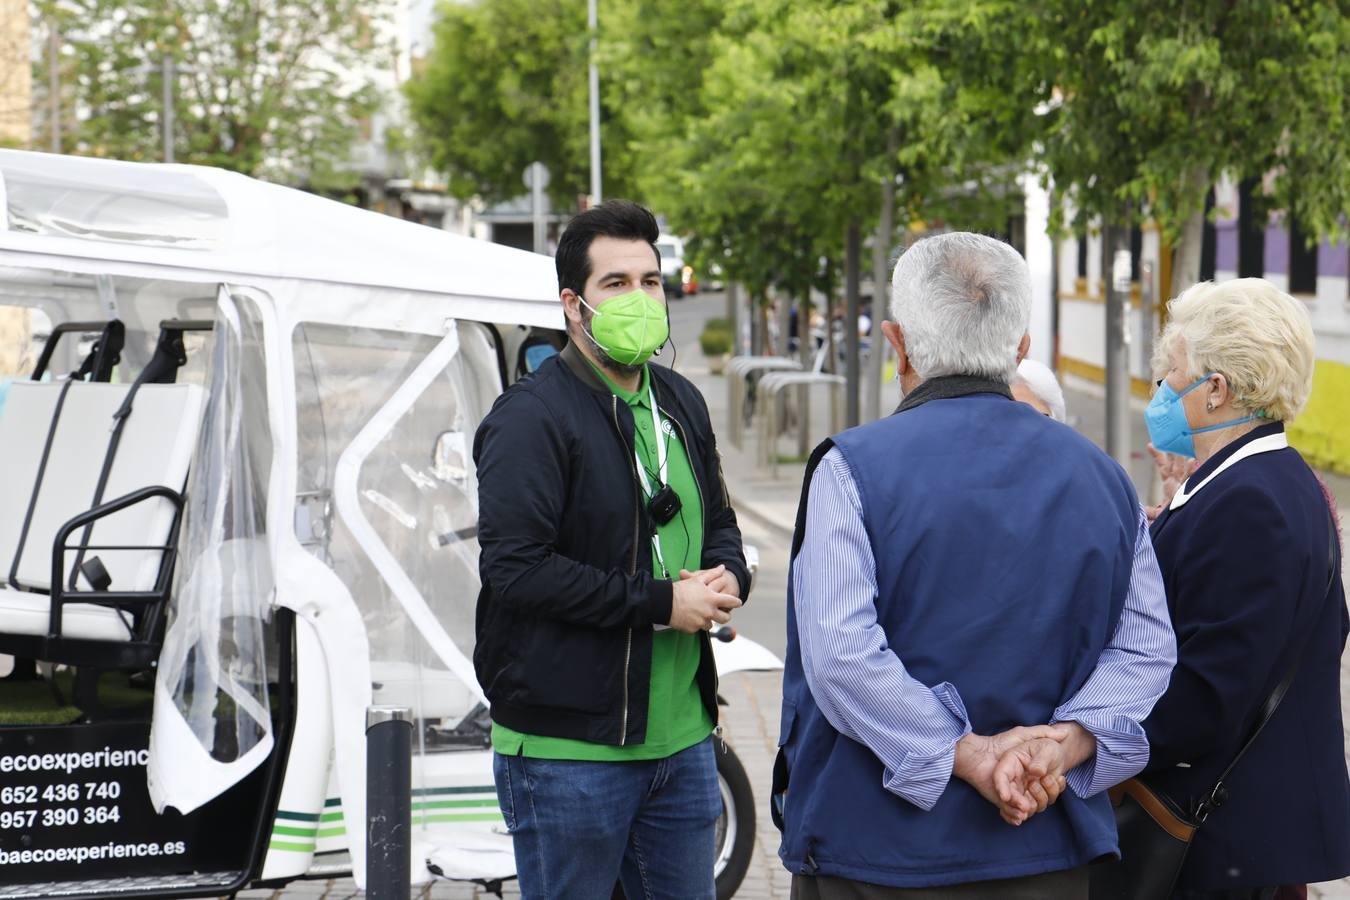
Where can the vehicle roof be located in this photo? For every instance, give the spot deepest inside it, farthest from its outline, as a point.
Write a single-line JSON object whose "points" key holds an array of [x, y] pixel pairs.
{"points": [[227, 226]]}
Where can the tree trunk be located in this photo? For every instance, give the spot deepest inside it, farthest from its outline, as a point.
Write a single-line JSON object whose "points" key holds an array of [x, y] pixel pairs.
{"points": [[806, 348], [759, 322], [881, 294], [784, 325], [1116, 242], [1186, 261], [735, 317], [827, 345], [852, 275]]}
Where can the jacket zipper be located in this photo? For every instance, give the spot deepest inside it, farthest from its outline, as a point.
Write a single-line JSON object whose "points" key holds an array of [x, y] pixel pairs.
{"points": [[632, 570], [703, 507]]}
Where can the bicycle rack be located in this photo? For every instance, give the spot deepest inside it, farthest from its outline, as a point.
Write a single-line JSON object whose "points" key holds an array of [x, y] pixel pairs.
{"points": [[773, 384], [740, 369]]}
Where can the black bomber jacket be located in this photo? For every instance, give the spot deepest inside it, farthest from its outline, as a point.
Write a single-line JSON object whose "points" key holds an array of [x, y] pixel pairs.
{"points": [[565, 615]]}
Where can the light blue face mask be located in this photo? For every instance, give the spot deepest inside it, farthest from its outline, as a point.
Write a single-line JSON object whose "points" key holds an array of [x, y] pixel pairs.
{"points": [[1169, 429]]}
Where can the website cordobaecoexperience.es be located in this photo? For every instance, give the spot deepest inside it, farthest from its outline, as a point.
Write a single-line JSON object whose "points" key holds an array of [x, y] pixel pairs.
{"points": [[110, 850]]}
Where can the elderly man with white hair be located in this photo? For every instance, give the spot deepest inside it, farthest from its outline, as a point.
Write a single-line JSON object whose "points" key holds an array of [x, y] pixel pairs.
{"points": [[971, 584]]}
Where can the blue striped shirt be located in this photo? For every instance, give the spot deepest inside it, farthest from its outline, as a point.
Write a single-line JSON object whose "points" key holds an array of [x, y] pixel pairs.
{"points": [[855, 678]]}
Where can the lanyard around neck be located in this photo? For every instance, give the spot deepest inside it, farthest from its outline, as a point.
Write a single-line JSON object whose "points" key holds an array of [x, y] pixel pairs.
{"points": [[661, 465], [661, 460]]}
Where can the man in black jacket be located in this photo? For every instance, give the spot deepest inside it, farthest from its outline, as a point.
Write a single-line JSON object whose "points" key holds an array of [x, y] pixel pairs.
{"points": [[609, 549]]}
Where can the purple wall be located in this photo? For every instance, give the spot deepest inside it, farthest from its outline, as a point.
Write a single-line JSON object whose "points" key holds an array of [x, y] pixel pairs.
{"points": [[1226, 245], [1333, 259], [1277, 249]]}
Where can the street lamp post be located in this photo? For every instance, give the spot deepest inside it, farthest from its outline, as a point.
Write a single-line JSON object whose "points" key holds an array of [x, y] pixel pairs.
{"points": [[592, 19], [169, 69], [54, 83], [167, 76]]}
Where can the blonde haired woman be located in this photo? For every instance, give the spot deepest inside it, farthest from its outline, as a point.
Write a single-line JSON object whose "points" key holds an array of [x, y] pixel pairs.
{"points": [[1250, 558]]}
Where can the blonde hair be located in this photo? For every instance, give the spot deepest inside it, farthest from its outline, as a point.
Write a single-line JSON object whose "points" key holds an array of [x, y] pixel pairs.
{"points": [[1255, 335]]}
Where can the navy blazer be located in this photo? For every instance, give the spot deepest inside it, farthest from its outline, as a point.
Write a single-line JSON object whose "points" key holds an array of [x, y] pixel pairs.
{"points": [[1246, 563]]}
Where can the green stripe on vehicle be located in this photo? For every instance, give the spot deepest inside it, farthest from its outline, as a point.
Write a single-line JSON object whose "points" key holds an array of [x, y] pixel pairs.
{"points": [[485, 789], [428, 804], [458, 817], [290, 847], [307, 832], [423, 819], [297, 816]]}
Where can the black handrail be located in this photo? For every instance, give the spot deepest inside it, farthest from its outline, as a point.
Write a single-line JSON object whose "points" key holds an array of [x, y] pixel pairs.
{"points": [[104, 356], [60, 548], [187, 325]]}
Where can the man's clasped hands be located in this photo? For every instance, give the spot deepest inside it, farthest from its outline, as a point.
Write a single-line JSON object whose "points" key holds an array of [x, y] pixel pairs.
{"points": [[1023, 771]]}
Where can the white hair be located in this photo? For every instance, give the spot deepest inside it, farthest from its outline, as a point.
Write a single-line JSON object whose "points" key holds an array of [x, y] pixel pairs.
{"points": [[1043, 383], [963, 302]]}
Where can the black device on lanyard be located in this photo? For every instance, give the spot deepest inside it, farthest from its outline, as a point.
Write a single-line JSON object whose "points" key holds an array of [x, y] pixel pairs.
{"points": [[664, 505]]}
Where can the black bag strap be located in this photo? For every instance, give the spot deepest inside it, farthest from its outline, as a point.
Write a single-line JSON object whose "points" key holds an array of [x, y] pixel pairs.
{"points": [[1216, 797]]}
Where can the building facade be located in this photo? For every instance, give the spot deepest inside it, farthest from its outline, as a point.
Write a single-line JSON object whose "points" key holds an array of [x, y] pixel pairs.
{"points": [[1237, 243]]}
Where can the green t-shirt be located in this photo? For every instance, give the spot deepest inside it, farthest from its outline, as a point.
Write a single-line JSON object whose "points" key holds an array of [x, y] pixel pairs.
{"points": [[676, 717]]}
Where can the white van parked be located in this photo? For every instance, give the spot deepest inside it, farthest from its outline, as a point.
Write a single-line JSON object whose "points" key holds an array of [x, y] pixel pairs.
{"points": [[677, 276]]}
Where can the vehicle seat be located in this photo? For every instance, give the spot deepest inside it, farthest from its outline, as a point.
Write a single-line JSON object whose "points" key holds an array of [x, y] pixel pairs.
{"points": [[71, 425]]}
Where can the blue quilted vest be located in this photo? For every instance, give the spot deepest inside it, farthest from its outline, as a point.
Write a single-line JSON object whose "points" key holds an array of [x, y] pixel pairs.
{"points": [[1004, 543]]}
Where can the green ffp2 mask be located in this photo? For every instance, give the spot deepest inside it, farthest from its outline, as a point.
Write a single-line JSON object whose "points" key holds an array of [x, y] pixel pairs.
{"points": [[629, 327]]}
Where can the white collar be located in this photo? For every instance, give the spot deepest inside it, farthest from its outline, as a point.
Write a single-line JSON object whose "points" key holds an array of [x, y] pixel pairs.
{"points": [[1260, 445]]}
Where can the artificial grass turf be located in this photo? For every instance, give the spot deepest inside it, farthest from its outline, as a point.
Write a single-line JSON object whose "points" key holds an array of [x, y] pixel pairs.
{"points": [[33, 702]]}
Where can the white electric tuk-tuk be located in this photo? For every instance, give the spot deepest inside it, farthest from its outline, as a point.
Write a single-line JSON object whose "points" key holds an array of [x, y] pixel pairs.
{"points": [[238, 508]]}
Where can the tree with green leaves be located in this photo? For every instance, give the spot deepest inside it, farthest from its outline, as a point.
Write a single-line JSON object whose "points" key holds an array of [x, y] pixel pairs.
{"points": [[1148, 105], [801, 118], [505, 85], [270, 88]]}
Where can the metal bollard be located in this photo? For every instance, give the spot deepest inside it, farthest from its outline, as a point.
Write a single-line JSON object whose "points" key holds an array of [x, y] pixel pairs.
{"points": [[388, 802]]}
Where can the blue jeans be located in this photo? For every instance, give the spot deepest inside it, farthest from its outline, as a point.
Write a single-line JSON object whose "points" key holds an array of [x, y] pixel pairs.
{"points": [[579, 828]]}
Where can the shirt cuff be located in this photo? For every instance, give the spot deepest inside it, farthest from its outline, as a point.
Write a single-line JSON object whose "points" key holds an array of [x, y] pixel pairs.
{"points": [[1122, 753], [921, 778]]}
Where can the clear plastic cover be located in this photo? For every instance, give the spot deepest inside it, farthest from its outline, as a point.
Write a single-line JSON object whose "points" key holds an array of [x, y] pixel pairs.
{"points": [[416, 490], [212, 722]]}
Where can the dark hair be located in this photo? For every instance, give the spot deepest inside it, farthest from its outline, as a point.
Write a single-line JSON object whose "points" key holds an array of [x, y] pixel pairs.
{"points": [[622, 219]]}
